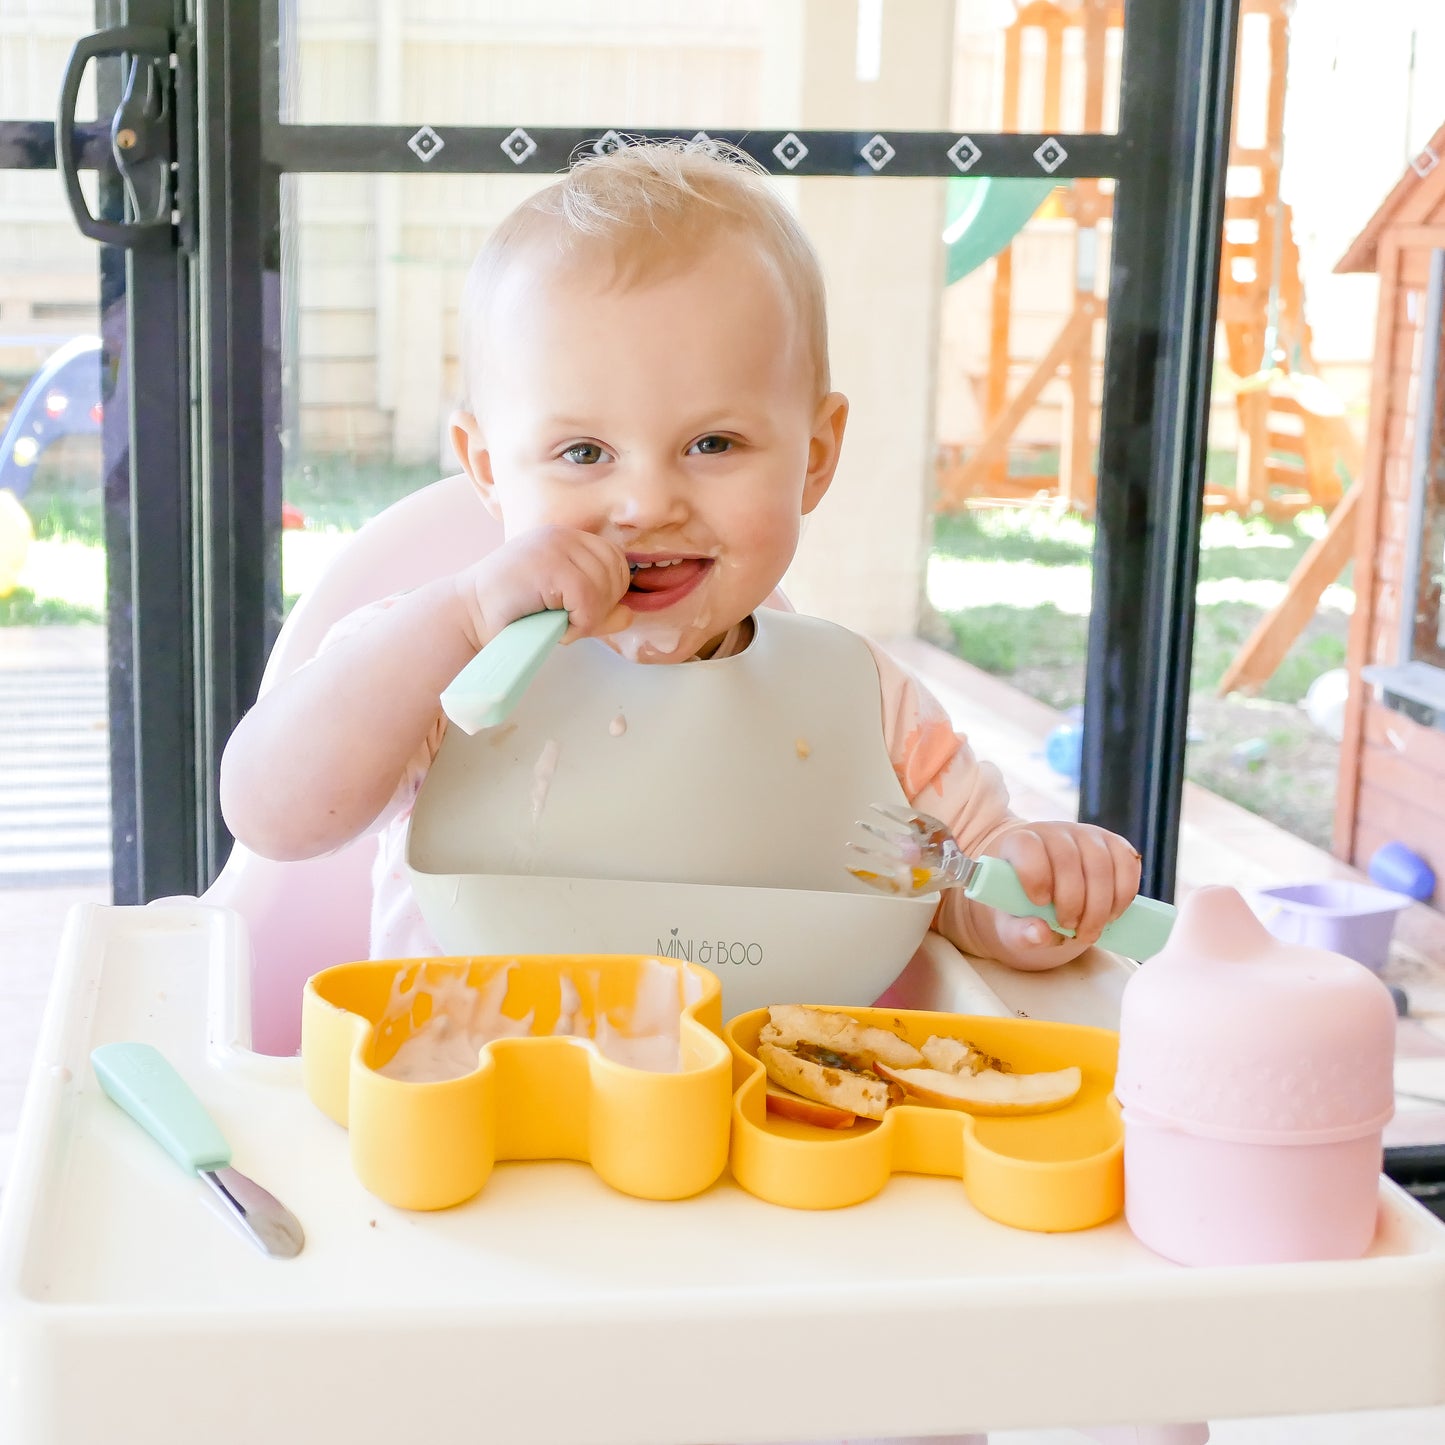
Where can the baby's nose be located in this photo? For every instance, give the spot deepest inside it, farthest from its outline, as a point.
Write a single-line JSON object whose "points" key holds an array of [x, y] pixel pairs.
{"points": [[647, 496]]}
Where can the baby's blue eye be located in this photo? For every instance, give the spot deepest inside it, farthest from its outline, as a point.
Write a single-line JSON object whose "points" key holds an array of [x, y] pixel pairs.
{"points": [[712, 446], [584, 454]]}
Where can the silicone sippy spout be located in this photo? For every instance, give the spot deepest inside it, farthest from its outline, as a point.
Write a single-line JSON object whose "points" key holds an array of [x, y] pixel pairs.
{"points": [[1255, 1078]]}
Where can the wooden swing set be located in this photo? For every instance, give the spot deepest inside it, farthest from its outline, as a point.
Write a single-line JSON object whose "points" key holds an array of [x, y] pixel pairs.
{"points": [[1294, 448]]}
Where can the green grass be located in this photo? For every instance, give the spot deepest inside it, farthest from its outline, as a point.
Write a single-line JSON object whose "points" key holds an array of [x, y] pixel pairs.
{"points": [[64, 498], [1025, 633], [1040, 648], [338, 492], [333, 492], [21, 609], [1043, 535], [1221, 629], [1008, 568]]}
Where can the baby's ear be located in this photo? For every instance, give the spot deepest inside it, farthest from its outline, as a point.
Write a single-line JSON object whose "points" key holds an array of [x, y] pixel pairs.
{"points": [[471, 449], [825, 446]]}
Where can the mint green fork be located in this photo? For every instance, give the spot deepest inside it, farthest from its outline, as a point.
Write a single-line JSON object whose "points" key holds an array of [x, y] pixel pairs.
{"points": [[919, 855]]}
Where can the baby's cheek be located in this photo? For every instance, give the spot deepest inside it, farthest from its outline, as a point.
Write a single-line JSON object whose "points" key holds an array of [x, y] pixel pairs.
{"points": [[764, 546], [531, 503]]}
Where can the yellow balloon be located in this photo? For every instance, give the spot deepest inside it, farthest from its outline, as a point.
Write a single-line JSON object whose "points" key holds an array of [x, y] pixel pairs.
{"points": [[16, 535]]}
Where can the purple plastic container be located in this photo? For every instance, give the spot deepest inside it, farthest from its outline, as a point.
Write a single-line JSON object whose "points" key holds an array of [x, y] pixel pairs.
{"points": [[1355, 919]]}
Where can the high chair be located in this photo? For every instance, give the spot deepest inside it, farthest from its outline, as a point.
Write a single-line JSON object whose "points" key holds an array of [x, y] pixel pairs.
{"points": [[308, 915], [557, 1309], [305, 916]]}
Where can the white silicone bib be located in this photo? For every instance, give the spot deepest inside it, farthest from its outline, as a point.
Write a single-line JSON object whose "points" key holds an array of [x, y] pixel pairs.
{"points": [[698, 810]]}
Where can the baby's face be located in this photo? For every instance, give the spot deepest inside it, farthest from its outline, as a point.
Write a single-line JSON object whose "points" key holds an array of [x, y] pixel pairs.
{"points": [[677, 417]]}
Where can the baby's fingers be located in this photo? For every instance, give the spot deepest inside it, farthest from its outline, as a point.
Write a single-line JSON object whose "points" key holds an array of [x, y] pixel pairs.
{"points": [[1034, 938], [593, 590], [1046, 858], [1024, 850], [1028, 853], [1099, 877]]}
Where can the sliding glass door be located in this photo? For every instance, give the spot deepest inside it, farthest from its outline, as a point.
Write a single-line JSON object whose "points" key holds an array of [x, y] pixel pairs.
{"points": [[304, 182]]}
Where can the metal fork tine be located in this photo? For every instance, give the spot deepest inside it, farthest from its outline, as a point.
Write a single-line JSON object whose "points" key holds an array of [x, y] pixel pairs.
{"points": [[905, 816], [904, 855]]}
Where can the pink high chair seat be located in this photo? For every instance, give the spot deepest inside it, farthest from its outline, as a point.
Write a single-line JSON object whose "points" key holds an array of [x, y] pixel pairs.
{"points": [[306, 916]]}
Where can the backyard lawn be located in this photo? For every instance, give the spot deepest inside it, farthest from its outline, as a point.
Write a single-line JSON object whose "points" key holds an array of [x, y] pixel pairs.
{"points": [[1009, 586]]}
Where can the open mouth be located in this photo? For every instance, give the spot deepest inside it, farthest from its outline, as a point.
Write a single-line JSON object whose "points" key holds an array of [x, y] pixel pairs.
{"points": [[662, 582]]}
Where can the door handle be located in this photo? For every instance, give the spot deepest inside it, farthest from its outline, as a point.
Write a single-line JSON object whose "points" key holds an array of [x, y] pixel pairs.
{"points": [[141, 136]]}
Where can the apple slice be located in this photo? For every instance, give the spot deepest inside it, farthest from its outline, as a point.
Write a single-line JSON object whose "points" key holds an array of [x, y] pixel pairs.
{"points": [[988, 1091], [789, 1025], [807, 1111], [958, 1056]]}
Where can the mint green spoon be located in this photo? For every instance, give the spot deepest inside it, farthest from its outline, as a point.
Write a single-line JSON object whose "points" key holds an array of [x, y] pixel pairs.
{"points": [[485, 691], [141, 1080]]}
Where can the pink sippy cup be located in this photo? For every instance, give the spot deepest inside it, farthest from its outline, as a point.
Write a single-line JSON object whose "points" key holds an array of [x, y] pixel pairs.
{"points": [[1256, 1079]]}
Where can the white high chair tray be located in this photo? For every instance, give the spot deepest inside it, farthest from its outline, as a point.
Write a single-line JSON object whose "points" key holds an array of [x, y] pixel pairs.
{"points": [[551, 1309]]}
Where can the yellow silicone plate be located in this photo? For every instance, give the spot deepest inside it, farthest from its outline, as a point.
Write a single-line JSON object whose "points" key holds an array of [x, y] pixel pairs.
{"points": [[1053, 1171], [431, 1144]]}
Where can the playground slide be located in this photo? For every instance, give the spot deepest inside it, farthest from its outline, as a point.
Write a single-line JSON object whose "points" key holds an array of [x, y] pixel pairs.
{"points": [[985, 213]]}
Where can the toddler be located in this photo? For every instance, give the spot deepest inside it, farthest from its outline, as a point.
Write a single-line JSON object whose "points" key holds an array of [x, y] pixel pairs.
{"points": [[650, 417]]}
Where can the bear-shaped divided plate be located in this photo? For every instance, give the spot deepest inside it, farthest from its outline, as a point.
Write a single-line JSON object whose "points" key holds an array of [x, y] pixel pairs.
{"points": [[1058, 1170], [439, 1067]]}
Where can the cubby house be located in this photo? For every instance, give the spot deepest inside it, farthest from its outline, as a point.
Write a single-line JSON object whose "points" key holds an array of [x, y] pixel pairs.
{"points": [[1392, 759]]}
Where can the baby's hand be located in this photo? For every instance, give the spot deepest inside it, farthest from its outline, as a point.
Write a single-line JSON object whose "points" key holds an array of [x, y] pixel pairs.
{"points": [[545, 570], [1089, 875]]}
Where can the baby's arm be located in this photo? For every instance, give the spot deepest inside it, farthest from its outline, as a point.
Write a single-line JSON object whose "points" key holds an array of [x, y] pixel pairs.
{"points": [[320, 755], [1089, 874]]}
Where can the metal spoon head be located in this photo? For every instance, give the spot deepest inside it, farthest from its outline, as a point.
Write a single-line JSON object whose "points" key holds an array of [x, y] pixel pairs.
{"points": [[264, 1219]]}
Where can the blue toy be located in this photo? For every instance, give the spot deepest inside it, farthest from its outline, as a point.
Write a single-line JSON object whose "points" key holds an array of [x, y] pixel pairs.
{"points": [[1398, 867], [62, 399], [1064, 750]]}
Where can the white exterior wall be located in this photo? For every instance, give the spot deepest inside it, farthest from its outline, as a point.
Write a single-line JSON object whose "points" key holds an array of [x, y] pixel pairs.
{"points": [[49, 289], [862, 555]]}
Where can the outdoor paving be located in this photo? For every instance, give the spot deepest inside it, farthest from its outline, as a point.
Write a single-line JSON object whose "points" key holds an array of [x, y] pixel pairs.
{"points": [[54, 758]]}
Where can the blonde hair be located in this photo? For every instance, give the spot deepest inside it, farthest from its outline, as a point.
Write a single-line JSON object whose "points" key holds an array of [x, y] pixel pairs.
{"points": [[650, 207]]}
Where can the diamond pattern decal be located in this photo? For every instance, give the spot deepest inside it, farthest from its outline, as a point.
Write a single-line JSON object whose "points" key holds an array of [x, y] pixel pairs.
{"points": [[518, 146], [963, 153], [1425, 162], [705, 141], [790, 150], [877, 152], [607, 142], [425, 144], [1050, 156]]}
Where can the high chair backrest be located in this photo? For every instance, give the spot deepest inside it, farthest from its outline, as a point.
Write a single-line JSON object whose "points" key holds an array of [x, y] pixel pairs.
{"points": [[309, 915]]}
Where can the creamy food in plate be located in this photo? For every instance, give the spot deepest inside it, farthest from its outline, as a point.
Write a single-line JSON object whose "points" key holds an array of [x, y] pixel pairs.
{"points": [[465, 1019]]}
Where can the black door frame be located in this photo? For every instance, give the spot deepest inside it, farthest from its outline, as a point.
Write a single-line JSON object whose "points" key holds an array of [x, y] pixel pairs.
{"points": [[194, 674], [147, 500]]}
